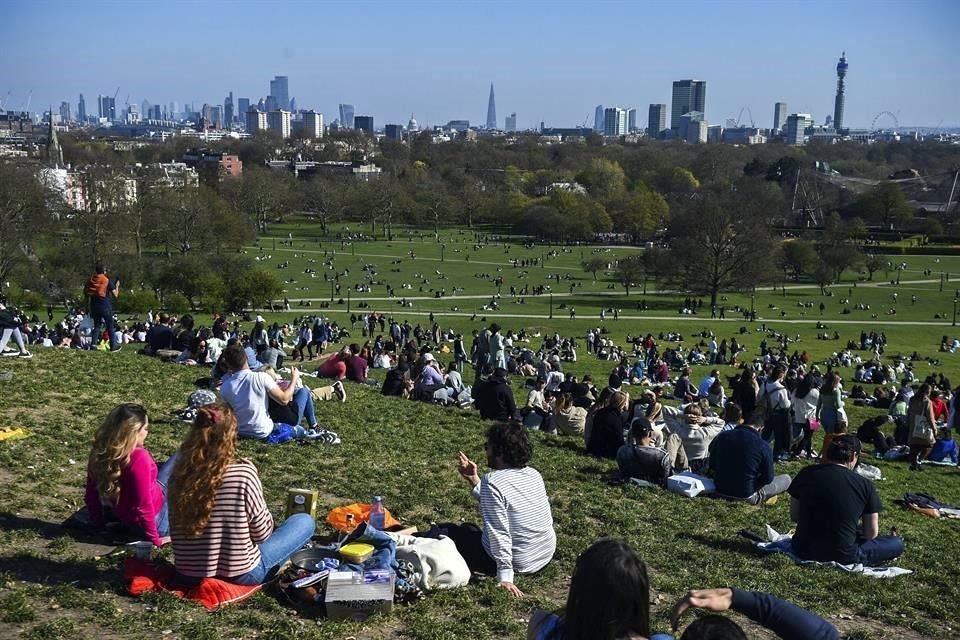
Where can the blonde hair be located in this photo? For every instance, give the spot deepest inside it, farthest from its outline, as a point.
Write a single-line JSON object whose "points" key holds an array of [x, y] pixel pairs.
{"points": [[207, 452], [618, 399], [115, 441]]}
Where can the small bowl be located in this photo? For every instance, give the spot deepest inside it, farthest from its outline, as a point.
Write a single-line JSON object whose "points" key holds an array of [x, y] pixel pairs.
{"points": [[307, 559]]}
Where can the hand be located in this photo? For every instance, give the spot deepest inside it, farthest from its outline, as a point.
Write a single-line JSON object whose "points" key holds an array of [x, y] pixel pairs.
{"points": [[512, 588], [468, 469], [294, 374], [709, 599]]}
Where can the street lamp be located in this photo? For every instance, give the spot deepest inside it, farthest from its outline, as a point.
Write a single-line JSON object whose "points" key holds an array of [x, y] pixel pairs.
{"points": [[941, 281], [443, 247], [955, 311], [331, 291], [551, 306], [753, 307]]}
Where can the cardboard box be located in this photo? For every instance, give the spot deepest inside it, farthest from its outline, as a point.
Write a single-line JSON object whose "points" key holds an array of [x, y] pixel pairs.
{"points": [[302, 501], [357, 596]]}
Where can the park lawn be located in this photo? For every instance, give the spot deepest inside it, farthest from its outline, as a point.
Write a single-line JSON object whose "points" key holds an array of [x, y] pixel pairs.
{"points": [[52, 586]]}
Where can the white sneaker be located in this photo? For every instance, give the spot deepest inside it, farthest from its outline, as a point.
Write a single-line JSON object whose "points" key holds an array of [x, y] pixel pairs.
{"points": [[26, 355], [339, 391], [323, 435]]}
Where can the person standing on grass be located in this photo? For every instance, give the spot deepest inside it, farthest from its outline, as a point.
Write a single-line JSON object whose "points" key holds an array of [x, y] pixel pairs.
{"points": [[123, 483], [804, 406], [921, 423], [11, 319], [221, 526], [517, 535], [100, 289], [775, 399], [830, 402], [830, 502]]}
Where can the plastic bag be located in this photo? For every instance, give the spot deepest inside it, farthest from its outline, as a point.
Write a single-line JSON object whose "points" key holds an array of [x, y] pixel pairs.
{"points": [[337, 518], [869, 471], [690, 484]]}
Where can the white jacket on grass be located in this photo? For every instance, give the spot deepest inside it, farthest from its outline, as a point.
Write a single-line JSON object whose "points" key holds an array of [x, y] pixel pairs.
{"points": [[436, 561]]}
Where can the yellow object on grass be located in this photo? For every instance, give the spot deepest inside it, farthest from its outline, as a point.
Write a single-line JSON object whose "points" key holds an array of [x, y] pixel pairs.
{"points": [[358, 552], [14, 433]]}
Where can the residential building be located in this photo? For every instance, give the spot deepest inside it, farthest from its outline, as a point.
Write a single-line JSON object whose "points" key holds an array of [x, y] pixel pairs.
{"points": [[256, 120], [211, 166], [511, 123], [614, 121], [363, 123], [779, 116], [279, 121], [393, 131], [688, 95], [795, 131], [81, 109], [346, 116], [313, 124], [491, 110], [656, 120]]}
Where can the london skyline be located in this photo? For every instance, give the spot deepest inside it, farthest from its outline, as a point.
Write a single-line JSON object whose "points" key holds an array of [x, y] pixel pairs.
{"points": [[552, 63]]}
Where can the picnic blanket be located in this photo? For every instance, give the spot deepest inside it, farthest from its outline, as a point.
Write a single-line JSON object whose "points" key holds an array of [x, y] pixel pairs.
{"points": [[780, 543], [143, 576]]}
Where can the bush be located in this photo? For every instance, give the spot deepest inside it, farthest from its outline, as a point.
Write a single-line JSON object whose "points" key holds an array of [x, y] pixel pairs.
{"points": [[176, 303], [27, 299], [136, 301]]}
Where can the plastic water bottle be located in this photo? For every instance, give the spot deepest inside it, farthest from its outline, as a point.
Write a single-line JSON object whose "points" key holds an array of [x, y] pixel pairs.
{"points": [[377, 514]]}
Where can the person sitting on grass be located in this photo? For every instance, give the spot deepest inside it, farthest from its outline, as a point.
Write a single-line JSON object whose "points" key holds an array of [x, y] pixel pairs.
{"points": [[839, 429], [830, 501], [357, 365], [696, 431], [945, 448], [643, 460], [123, 483], [569, 419], [517, 535], [334, 365], [609, 598], [742, 466], [604, 437], [221, 526], [494, 399], [248, 393]]}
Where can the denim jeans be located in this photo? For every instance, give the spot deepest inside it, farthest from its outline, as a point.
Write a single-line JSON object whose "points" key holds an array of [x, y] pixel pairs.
{"points": [[880, 549], [290, 536], [102, 316], [163, 479], [304, 401]]}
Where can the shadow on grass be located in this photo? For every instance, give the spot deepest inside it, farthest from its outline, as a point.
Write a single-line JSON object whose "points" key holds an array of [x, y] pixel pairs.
{"points": [[737, 545], [78, 573], [51, 530]]}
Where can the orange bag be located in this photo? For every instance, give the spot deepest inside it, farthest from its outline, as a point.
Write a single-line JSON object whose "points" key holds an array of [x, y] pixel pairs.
{"points": [[361, 513]]}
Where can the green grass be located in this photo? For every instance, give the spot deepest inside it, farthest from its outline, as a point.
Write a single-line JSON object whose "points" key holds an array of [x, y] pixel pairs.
{"points": [[53, 586]]}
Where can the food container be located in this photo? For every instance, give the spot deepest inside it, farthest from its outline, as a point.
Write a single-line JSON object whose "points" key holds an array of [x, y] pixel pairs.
{"points": [[313, 559], [302, 501], [357, 596], [356, 552]]}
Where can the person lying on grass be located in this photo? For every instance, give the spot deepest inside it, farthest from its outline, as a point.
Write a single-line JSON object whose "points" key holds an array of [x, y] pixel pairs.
{"points": [[517, 535], [123, 482], [220, 524], [609, 599]]}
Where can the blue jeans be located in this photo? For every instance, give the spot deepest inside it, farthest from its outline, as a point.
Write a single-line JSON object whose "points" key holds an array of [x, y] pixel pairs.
{"points": [[295, 532], [879, 550], [304, 401], [102, 315], [163, 479]]}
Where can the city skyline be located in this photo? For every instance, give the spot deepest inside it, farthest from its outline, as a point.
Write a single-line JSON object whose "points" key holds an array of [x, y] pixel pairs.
{"points": [[905, 67]]}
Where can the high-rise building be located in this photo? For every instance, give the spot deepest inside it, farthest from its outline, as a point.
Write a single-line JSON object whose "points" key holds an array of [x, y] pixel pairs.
{"points": [[511, 124], [172, 111], [838, 102], [491, 110], [598, 119], [243, 105], [797, 123], [313, 124], [81, 109], [228, 111], [216, 116], [107, 107], [363, 123], [656, 119], [280, 92], [256, 120], [293, 107], [692, 127], [779, 115], [346, 116], [65, 112], [393, 131], [614, 121], [688, 95], [631, 120], [279, 121], [154, 112]]}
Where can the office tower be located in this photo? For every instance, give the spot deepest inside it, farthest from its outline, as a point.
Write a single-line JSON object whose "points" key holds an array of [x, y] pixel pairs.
{"points": [[838, 103], [243, 105], [293, 107], [107, 107], [65, 112], [280, 92], [216, 116], [779, 115], [714, 133], [631, 120], [313, 124], [614, 121], [688, 95], [228, 110], [157, 114], [491, 110], [598, 119], [393, 131], [172, 111], [363, 123], [256, 120], [656, 119], [797, 124], [279, 121], [690, 129], [511, 122], [81, 109], [346, 116]]}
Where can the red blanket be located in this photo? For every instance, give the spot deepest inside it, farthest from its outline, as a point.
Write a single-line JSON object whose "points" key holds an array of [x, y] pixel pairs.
{"points": [[147, 575]]}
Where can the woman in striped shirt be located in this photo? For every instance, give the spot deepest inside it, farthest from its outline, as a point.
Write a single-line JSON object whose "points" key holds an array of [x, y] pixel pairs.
{"points": [[518, 535], [220, 524]]}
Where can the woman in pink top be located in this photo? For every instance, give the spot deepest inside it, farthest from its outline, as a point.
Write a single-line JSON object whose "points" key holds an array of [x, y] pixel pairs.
{"points": [[123, 482]]}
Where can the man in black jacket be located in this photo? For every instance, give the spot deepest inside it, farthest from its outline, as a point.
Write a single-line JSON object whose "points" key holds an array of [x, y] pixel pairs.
{"points": [[494, 397]]}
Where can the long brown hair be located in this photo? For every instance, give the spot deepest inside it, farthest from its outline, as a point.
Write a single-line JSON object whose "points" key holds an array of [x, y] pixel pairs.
{"points": [[205, 455], [115, 440]]}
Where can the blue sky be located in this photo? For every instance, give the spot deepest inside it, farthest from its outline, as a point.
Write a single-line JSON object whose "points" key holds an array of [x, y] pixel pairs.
{"points": [[550, 60]]}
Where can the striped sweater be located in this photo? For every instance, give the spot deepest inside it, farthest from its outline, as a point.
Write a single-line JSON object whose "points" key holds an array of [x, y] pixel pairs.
{"points": [[240, 520], [517, 521]]}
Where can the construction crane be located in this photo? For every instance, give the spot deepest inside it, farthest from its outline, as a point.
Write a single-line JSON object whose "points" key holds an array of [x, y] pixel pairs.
{"points": [[5, 98], [29, 98], [749, 112]]}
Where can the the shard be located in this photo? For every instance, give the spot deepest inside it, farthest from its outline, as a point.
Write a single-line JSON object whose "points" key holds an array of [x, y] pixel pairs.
{"points": [[491, 110]]}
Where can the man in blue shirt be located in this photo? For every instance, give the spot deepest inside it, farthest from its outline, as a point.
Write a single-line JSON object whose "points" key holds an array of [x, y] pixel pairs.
{"points": [[742, 465]]}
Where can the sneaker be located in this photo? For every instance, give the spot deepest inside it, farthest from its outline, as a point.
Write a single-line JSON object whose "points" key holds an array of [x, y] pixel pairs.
{"points": [[323, 435], [115, 349], [339, 391], [26, 355], [10, 354]]}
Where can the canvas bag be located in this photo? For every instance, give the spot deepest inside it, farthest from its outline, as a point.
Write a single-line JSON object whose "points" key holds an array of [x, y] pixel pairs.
{"points": [[435, 560], [920, 427], [690, 484]]}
